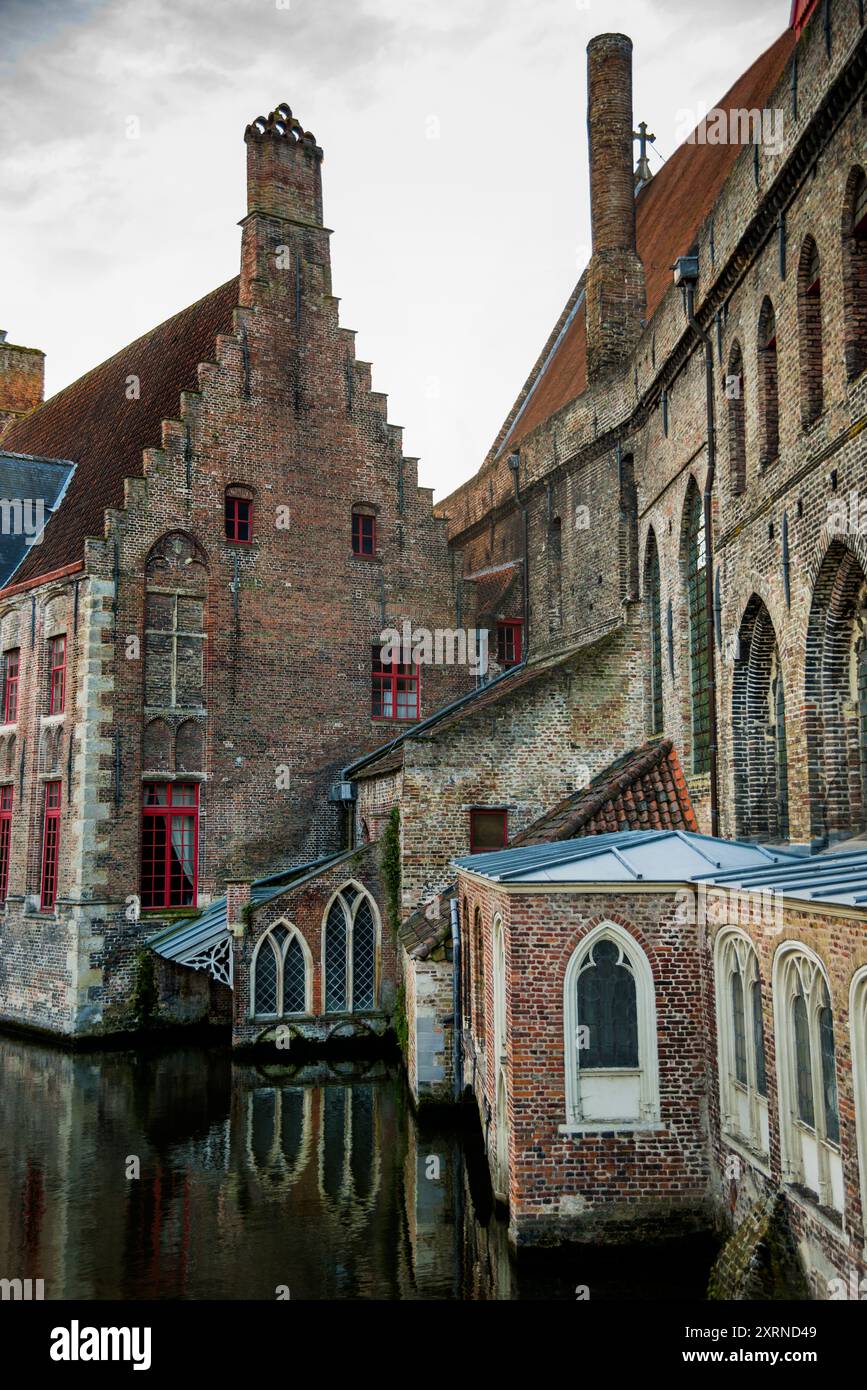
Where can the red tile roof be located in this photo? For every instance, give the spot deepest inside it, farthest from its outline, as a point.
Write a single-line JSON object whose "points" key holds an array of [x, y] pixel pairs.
{"points": [[669, 211], [93, 423], [642, 790]]}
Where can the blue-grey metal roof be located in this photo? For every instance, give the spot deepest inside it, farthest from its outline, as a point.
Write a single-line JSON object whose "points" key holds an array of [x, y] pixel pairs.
{"points": [[188, 940], [31, 489], [630, 856], [829, 877]]}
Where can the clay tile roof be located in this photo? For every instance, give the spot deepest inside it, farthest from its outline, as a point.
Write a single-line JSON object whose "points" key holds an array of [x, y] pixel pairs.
{"points": [[498, 591], [93, 423], [669, 211], [643, 790]]}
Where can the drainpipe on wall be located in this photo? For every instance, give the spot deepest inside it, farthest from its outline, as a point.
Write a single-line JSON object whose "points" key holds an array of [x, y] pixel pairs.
{"points": [[686, 274], [458, 1054], [515, 464]]}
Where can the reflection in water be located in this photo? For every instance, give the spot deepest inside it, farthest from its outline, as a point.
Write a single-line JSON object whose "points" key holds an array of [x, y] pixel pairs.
{"points": [[252, 1178]]}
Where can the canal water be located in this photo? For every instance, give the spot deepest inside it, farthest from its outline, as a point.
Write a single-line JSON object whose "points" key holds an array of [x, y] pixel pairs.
{"points": [[182, 1174]]}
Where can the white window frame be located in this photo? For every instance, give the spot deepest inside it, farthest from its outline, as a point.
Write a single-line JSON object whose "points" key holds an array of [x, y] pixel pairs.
{"points": [[804, 1148], [858, 1043], [649, 1107], [281, 957], [736, 1096]]}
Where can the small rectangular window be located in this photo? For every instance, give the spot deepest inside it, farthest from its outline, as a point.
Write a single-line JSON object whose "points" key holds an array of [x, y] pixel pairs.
{"points": [[12, 667], [50, 845], [488, 831], [239, 519], [170, 834], [509, 643], [6, 797], [57, 674], [363, 534], [394, 690]]}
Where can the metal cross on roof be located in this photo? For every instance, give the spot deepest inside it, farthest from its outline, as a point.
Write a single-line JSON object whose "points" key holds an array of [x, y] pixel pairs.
{"points": [[642, 172]]}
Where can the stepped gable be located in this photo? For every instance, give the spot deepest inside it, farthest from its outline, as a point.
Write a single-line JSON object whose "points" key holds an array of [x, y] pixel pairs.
{"points": [[93, 424], [644, 789]]}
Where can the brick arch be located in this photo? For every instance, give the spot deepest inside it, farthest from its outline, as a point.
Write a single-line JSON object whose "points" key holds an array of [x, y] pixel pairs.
{"points": [[736, 436], [853, 232], [177, 555], [599, 919], [810, 332], [836, 695], [189, 746], [157, 747], [769, 406], [759, 729]]}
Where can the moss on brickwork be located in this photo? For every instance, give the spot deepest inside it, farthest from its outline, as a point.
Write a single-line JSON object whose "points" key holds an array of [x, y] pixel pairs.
{"points": [[143, 1001], [391, 867], [760, 1260]]}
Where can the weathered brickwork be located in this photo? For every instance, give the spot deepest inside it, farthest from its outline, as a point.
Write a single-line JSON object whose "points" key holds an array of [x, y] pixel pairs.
{"points": [[22, 380]]}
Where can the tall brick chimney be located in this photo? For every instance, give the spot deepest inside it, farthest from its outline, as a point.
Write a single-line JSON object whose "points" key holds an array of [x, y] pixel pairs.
{"points": [[615, 292], [284, 186], [22, 381]]}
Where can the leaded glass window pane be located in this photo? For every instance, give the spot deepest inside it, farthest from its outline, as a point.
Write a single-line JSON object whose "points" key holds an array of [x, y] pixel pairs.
{"points": [[759, 1039], [363, 957], [294, 973], [803, 1063], [335, 959], [829, 1073], [738, 1026], [265, 998], [607, 1007]]}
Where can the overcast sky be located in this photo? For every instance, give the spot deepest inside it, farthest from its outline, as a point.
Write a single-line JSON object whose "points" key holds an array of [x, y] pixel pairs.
{"points": [[455, 172]]}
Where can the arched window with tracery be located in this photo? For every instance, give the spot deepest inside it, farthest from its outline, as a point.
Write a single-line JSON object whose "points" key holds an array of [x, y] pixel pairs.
{"points": [[810, 332], [858, 1037], [736, 420], [612, 1072], [759, 730], [282, 973], [807, 1073], [653, 600], [854, 239], [741, 1043], [836, 691], [351, 951], [769, 407], [693, 553]]}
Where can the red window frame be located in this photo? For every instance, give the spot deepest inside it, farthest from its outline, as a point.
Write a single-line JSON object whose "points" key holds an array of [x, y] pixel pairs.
{"points": [[50, 845], [363, 534], [57, 674], [510, 638], [7, 794], [395, 693], [475, 847], [12, 672], [238, 514], [163, 883]]}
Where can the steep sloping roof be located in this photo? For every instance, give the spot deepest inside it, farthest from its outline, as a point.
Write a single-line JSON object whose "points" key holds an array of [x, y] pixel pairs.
{"points": [[93, 423], [669, 211], [645, 789]]}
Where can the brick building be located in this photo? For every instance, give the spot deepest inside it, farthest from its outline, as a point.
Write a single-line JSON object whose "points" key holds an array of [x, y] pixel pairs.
{"points": [[666, 543]]}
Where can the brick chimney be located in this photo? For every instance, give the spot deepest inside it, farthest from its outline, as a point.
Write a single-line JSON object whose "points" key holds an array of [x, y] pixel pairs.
{"points": [[22, 381], [284, 192], [615, 292]]}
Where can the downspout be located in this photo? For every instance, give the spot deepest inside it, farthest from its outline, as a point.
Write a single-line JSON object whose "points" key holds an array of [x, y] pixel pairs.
{"points": [[458, 1054], [708, 550], [515, 464]]}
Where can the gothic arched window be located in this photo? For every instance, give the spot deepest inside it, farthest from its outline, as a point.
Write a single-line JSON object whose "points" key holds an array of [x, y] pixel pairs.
{"points": [[855, 273], [281, 973], [809, 1117], [351, 949], [612, 1072], [736, 420], [810, 332], [769, 408], [652, 597], [693, 549], [759, 729], [741, 1042], [858, 1035]]}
